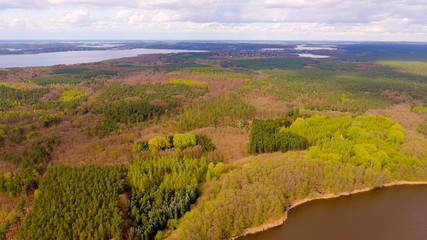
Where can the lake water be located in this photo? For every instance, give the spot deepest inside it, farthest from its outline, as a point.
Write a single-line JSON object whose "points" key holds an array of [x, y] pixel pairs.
{"points": [[74, 57], [393, 213], [309, 55], [319, 47]]}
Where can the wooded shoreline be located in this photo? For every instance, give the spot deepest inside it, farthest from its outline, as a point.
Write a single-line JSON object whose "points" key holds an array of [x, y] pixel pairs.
{"points": [[281, 220]]}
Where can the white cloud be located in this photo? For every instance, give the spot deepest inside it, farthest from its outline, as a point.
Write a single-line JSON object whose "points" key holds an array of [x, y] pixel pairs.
{"points": [[284, 19], [74, 16], [129, 17]]}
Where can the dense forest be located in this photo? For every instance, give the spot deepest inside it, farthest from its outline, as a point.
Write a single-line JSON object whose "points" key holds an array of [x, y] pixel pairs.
{"points": [[77, 203], [203, 145]]}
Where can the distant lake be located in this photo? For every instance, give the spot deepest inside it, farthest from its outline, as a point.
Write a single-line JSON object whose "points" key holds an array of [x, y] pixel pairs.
{"points": [[320, 47], [309, 55], [391, 213], [74, 57]]}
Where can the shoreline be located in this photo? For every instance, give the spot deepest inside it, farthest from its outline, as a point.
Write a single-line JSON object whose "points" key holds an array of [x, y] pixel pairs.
{"points": [[281, 220]]}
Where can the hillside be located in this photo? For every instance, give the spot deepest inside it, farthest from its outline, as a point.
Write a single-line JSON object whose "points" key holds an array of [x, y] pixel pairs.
{"points": [[203, 145]]}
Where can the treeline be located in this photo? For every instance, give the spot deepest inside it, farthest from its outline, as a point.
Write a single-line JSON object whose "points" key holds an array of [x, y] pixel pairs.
{"points": [[77, 203], [221, 110], [10, 97], [163, 190], [262, 190], [268, 136]]}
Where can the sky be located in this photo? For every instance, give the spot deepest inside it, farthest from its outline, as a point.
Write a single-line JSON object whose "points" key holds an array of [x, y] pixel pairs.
{"points": [[322, 20]]}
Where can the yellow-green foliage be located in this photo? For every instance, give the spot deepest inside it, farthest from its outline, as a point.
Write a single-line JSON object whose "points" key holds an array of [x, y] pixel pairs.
{"points": [[348, 154], [158, 143], [215, 170], [32, 134], [422, 128], [419, 109], [261, 190], [188, 82], [395, 134], [371, 141], [163, 172], [43, 69], [71, 94], [15, 86], [419, 68], [19, 113], [184, 140]]}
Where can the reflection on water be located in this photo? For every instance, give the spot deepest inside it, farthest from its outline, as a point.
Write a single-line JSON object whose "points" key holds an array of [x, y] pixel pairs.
{"points": [[309, 55], [320, 47], [73, 57], [392, 213]]}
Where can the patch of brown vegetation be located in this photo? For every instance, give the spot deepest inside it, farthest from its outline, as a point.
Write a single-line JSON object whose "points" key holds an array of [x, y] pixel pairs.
{"points": [[267, 105], [158, 102], [132, 99], [123, 200], [230, 142], [311, 66], [78, 149], [218, 84], [401, 97], [12, 203], [16, 75], [7, 167], [364, 66], [141, 59], [53, 94], [178, 96]]}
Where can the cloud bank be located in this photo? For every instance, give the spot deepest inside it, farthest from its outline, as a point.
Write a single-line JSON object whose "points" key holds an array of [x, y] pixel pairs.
{"points": [[393, 20]]}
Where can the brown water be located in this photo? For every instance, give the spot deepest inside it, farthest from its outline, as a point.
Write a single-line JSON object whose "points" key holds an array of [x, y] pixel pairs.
{"points": [[398, 212]]}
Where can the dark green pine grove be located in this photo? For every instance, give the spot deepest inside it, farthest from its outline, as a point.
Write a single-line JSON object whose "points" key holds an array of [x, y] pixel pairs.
{"points": [[153, 210], [163, 190], [270, 136]]}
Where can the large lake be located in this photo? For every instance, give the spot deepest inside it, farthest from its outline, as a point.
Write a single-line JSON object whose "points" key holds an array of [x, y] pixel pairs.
{"points": [[74, 57], [393, 213]]}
